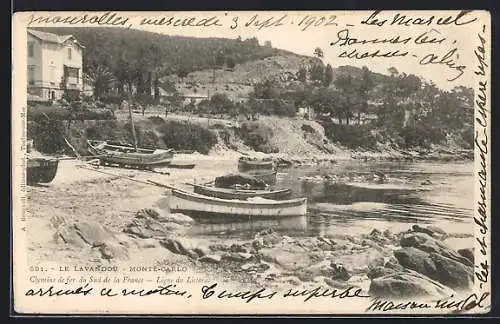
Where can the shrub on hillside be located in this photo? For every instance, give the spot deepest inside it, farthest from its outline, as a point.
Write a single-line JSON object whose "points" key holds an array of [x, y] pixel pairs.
{"points": [[272, 107], [467, 134], [111, 98], [156, 120], [121, 133], [186, 136], [421, 136], [257, 136], [352, 136], [79, 112], [47, 135]]}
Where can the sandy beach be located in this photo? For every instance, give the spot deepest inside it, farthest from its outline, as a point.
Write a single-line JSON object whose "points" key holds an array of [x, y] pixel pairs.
{"points": [[109, 216]]}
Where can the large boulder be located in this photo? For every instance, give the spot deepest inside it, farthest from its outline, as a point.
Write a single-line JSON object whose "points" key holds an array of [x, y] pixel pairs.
{"points": [[467, 253], [180, 246], [268, 238], [289, 258], [103, 243], [146, 224], [180, 219], [447, 271], [404, 284], [93, 233], [430, 230], [426, 243], [379, 271]]}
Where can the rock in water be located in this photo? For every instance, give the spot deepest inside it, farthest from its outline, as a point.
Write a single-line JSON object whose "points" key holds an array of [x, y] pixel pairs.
{"points": [[403, 285], [426, 243], [447, 271], [149, 213], [211, 258], [180, 219], [177, 246], [430, 230], [378, 272], [467, 253], [339, 272]]}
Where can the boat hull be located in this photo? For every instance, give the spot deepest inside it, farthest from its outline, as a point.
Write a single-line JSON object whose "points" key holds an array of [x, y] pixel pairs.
{"points": [[186, 202], [224, 193], [246, 165], [112, 154], [41, 170]]}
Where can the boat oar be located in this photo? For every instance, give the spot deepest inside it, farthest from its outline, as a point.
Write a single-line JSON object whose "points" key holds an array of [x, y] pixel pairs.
{"points": [[148, 182], [161, 185]]}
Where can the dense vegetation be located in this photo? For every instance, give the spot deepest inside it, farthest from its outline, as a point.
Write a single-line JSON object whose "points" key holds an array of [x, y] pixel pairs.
{"points": [[357, 107], [110, 58]]}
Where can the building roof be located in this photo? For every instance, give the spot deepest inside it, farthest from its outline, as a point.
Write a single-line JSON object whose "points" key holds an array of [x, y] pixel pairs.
{"points": [[52, 38]]}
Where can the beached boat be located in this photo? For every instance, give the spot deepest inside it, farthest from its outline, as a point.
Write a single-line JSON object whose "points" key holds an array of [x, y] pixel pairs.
{"points": [[177, 165], [41, 170], [123, 155], [246, 163], [197, 205], [225, 193]]}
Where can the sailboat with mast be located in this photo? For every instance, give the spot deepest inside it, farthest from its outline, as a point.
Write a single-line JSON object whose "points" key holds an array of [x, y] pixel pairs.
{"points": [[129, 156]]}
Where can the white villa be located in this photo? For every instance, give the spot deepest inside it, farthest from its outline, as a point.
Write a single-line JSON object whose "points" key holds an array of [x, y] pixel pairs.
{"points": [[54, 65]]}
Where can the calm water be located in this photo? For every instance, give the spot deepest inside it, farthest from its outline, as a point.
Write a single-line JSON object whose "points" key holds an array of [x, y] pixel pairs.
{"points": [[355, 197]]}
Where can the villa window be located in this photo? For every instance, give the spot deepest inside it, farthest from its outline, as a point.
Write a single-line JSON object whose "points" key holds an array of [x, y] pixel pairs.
{"points": [[69, 54], [31, 50]]}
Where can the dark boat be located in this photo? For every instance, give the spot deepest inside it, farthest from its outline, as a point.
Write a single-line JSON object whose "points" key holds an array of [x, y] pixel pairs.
{"points": [[123, 155], [41, 170], [242, 194], [245, 164], [181, 165], [269, 177]]}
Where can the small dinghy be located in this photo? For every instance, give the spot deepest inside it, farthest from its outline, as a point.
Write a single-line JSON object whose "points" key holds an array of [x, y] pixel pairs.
{"points": [[246, 163], [242, 194], [196, 204], [123, 155]]}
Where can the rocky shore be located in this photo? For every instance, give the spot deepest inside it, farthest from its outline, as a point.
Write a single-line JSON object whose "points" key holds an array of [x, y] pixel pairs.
{"points": [[103, 219], [415, 263]]}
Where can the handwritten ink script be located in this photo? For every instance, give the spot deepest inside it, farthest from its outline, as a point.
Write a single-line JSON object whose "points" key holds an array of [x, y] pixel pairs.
{"points": [[452, 304], [225, 20], [401, 44], [481, 145], [439, 48], [206, 292]]}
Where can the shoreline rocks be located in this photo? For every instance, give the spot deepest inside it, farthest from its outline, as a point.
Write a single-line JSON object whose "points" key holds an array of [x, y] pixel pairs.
{"points": [[424, 265]]}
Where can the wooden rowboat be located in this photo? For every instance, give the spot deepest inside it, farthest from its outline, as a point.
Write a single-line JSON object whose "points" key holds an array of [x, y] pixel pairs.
{"points": [[128, 156], [41, 170], [224, 193], [196, 204], [245, 164]]}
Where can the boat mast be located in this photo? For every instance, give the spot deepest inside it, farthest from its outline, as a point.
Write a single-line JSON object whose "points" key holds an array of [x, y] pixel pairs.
{"points": [[132, 121]]}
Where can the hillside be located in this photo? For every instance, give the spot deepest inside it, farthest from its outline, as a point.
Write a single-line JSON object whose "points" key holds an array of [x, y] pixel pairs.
{"points": [[238, 82], [169, 54]]}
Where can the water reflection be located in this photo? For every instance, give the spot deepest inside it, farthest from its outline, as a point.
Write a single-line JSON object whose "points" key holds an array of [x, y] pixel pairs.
{"points": [[249, 226], [357, 197]]}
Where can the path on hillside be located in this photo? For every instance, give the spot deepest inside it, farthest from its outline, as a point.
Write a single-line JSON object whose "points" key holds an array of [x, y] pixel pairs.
{"points": [[177, 117]]}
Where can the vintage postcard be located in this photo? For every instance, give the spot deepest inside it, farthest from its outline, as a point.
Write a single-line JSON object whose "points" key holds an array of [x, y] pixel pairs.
{"points": [[267, 162]]}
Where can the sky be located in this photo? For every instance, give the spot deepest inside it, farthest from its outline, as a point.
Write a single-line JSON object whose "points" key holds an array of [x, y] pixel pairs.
{"points": [[448, 61], [458, 40]]}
